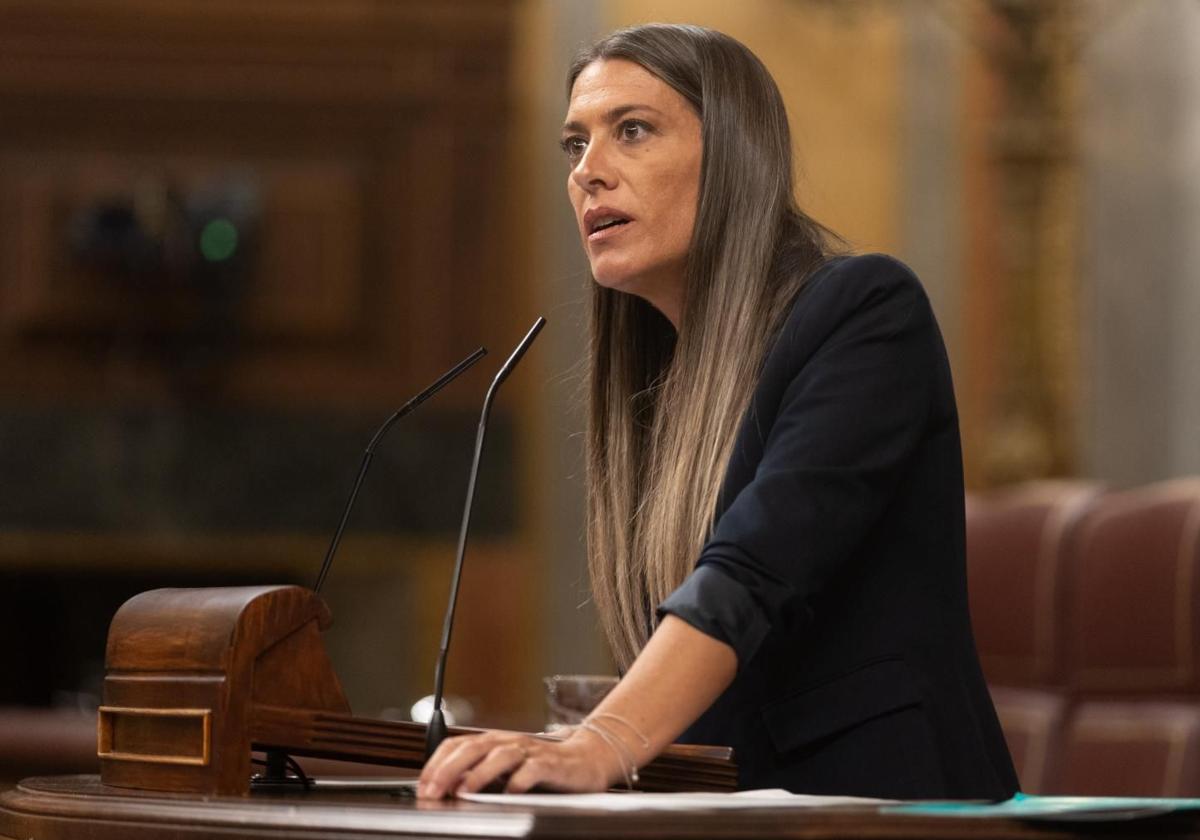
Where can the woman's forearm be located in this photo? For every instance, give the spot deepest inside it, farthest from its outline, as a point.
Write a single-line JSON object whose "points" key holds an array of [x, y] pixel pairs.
{"points": [[675, 678], [678, 675]]}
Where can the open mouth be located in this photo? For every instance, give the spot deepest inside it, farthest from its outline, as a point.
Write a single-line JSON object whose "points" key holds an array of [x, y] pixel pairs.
{"points": [[609, 223], [606, 221]]}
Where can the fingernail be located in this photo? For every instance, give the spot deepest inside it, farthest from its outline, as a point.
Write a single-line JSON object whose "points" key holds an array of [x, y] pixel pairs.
{"points": [[432, 791]]}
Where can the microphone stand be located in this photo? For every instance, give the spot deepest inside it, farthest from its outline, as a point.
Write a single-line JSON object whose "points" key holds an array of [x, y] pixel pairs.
{"points": [[436, 732], [407, 408]]}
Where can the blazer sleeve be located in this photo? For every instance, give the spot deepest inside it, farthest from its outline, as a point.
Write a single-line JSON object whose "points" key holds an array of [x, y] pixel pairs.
{"points": [[850, 417]]}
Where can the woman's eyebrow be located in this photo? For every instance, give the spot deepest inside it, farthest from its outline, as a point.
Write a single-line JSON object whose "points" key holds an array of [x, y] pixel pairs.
{"points": [[611, 116]]}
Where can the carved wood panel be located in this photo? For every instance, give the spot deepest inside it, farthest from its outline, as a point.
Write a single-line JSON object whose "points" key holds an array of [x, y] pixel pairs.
{"points": [[352, 131], [233, 236]]}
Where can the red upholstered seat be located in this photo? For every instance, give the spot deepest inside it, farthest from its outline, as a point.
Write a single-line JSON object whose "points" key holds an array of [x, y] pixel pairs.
{"points": [[1131, 652], [1032, 721], [1129, 748], [1133, 613], [36, 742], [1017, 544], [1086, 610], [1016, 549]]}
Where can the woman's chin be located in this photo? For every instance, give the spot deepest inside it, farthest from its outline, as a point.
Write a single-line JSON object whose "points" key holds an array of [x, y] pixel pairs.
{"points": [[618, 282]]}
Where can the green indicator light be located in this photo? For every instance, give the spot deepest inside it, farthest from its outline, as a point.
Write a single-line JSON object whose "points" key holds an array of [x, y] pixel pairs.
{"points": [[218, 240]]}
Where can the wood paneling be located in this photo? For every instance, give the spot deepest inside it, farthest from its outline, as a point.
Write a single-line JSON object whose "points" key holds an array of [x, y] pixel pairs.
{"points": [[371, 134], [371, 137]]}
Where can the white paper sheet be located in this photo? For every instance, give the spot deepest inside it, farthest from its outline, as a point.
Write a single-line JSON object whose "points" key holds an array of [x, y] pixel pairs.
{"points": [[674, 801]]}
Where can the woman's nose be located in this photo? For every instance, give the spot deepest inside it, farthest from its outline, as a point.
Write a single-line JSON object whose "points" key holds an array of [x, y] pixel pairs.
{"points": [[594, 170]]}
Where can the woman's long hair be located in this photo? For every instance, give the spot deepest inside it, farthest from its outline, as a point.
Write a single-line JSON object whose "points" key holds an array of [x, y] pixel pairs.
{"points": [[665, 407]]}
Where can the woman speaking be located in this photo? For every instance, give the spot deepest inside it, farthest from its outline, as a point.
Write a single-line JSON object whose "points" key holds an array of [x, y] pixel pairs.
{"points": [[774, 474]]}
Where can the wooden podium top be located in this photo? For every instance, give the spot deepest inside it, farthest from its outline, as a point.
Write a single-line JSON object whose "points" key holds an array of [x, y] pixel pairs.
{"points": [[198, 679], [65, 807]]}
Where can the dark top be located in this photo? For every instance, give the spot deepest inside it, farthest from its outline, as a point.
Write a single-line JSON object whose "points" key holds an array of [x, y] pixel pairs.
{"points": [[836, 567]]}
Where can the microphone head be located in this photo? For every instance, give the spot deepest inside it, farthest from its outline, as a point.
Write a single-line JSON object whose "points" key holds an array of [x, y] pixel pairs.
{"points": [[511, 361]]}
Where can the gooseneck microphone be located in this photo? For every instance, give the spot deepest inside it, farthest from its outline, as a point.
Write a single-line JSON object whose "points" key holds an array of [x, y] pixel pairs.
{"points": [[445, 379], [436, 733]]}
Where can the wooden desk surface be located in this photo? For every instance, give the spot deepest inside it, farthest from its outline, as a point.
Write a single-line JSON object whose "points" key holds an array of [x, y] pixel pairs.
{"points": [[80, 806]]}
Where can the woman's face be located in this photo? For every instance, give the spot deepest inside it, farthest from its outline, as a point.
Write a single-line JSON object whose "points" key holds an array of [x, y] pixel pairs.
{"points": [[634, 147]]}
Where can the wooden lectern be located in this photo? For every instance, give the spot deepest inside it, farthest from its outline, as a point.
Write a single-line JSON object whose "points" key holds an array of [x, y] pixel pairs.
{"points": [[198, 679]]}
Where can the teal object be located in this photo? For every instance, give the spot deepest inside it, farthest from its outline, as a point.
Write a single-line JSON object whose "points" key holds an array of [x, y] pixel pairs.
{"points": [[1054, 808]]}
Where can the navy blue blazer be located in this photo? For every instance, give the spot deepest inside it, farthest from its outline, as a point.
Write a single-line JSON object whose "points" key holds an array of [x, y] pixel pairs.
{"points": [[836, 568]]}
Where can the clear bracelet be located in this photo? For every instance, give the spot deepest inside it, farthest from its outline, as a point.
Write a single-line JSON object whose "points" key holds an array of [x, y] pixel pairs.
{"points": [[614, 743], [642, 739], [620, 742]]}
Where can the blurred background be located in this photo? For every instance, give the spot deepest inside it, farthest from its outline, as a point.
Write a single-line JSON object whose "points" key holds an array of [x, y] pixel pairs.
{"points": [[235, 236]]}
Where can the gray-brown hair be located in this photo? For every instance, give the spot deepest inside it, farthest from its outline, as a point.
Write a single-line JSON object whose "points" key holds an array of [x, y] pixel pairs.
{"points": [[665, 407]]}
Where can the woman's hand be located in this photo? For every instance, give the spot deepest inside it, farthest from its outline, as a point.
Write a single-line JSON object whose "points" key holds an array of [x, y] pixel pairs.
{"points": [[644, 713], [581, 763]]}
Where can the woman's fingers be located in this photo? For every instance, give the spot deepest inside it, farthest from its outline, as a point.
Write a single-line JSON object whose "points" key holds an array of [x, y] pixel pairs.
{"points": [[567, 765], [445, 769], [538, 771], [435, 763], [470, 763], [502, 759]]}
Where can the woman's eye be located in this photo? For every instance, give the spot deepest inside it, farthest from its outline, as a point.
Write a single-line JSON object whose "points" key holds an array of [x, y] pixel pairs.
{"points": [[574, 147], [633, 130]]}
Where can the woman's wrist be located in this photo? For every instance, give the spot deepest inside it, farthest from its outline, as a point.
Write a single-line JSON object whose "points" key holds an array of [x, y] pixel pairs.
{"points": [[616, 764]]}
